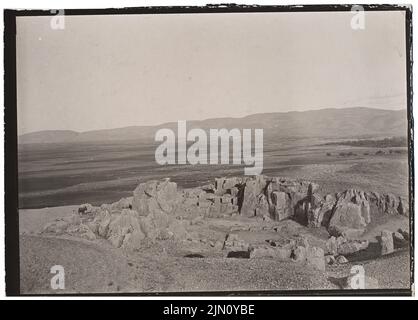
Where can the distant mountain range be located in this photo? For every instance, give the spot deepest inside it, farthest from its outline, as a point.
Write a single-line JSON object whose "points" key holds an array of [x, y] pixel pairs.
{"points": [[338, 123]]}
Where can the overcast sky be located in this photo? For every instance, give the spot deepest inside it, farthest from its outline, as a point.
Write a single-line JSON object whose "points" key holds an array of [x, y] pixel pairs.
{"points": [[114, 71]]}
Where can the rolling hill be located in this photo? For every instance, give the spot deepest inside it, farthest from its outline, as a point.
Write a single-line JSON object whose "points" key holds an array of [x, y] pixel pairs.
{"points": [[348, 122]]}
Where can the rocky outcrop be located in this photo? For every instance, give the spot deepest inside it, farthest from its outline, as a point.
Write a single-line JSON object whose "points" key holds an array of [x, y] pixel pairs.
{"points": [[263, 196], [208, 201], [405, 234], [125, 229], [332, 246], [290, 197], [387, 204], [227, 185], [330, 259], [153, 218], [349, 247], [281, 205], [159, 210], [344, 214], [319, 210], [299, 254], [351, 214], [72, 225], [400, 239], [343, 246], [341, 260], [386, 242], [155, 197], [253, 188], [124, 203]]}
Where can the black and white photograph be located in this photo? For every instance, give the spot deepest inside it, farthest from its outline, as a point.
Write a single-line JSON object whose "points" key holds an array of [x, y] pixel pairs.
{"points": [[212, 150]]}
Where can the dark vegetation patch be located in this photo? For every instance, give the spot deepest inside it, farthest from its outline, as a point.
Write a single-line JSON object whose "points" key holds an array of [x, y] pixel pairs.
{"points": [[194, 255], [374, 143], [347, 154], [239, 254]]}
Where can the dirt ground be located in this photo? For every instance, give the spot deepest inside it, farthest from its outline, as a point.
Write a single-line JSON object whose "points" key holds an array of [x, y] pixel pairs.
{"points": [[97, 267]]}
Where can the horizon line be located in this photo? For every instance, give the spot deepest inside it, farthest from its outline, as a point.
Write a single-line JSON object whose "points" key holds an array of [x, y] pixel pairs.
{"points": [[206, 119]]}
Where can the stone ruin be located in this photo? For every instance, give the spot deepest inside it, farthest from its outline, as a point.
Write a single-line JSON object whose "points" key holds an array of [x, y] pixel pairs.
{"points": [[159, 210]]}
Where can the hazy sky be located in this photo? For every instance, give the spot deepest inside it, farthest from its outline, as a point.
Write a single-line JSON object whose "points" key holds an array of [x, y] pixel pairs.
{"points": [[115, 71]]}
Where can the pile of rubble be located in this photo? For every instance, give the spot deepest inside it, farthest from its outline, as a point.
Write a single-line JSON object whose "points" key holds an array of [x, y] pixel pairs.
{"points": [[159, 210]]}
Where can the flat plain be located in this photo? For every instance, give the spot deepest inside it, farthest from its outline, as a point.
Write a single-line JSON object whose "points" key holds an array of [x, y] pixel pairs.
{"points": [[55, 178], [101, 172]]}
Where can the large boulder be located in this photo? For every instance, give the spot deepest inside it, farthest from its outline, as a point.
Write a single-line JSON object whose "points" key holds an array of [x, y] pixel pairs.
{"points": [[155, 197], [133, 240], [386, 242], [347, 213], [405, 234], [341, 260], [299, 254], [124, 203], [283, 247], [252, 189], [320, 211], [178, 229], [153, 224], [289, 197], [225, 185], [199, 202], [281, 207], [123, 229], [387, 204], [308, 210], [351, 214], [352, 246], [85, 232], [332, 246], [262, 208], [343, 246], [194, 202], [122, 225], [399, 240], [330, 259], [102, 222]]}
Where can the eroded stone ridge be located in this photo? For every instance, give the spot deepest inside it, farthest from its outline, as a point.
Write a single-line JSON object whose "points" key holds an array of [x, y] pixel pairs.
{"points": [[159, 210]]}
